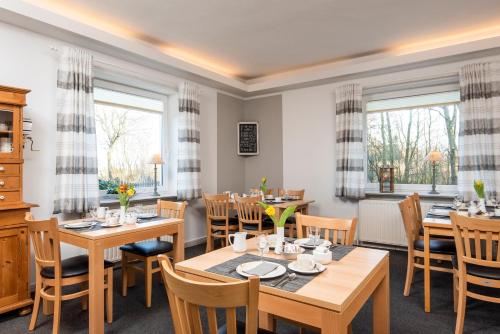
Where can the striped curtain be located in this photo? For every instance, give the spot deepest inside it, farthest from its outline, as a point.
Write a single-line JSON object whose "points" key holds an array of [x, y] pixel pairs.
{"points": [[479, 135], [189, 163], [76, 189], [350, 176]]}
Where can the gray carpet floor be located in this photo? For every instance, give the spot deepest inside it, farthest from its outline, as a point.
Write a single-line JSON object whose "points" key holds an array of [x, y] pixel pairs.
{"points": [[407, 315]]}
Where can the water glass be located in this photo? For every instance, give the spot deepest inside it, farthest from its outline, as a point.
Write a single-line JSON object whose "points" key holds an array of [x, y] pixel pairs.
{"points": [[261, 245]]}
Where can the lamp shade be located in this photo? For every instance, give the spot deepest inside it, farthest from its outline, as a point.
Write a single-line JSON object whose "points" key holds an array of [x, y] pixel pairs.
{"points": [[434, 156], [156, 159]]}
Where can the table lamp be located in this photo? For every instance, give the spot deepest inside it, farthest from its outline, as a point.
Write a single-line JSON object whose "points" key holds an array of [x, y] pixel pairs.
{"points": [[434, 157], [156, 160]]}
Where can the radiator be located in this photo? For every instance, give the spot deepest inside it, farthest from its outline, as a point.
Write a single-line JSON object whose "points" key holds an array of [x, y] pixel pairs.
{"points": [[380, 222]]}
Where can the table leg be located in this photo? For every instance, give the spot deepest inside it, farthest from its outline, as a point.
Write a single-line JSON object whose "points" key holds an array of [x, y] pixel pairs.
{"points": [[427, 270], [333, 323], [267, 321], [381, 304], [96, 287], [179, 244]]}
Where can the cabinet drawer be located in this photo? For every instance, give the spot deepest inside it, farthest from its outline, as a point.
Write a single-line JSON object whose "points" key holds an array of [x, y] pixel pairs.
{"points": [[10, 182], [9, 169], [9, 196]]}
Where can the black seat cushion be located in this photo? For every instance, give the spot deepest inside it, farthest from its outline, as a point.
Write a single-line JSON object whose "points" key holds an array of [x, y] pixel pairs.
{"points": [[479, 271], [291, 220], [73, 266], [254, 227], [240, 329], [437, 246], [232, 222], [148, 248]]}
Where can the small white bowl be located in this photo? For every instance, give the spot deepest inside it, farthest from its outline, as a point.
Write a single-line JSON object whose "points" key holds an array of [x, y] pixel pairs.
{"points": [[321, 257]]}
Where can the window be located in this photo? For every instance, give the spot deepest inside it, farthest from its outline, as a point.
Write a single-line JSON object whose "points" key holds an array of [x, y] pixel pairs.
{"points": [[402, 131], [129, 126]]}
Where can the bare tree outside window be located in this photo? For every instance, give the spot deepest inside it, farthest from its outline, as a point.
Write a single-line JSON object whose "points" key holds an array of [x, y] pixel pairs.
{"points": [[402, 139]]}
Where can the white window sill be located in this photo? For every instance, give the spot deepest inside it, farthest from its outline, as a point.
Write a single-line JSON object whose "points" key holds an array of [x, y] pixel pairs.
{"points": [[400, 194], [145, 197]]}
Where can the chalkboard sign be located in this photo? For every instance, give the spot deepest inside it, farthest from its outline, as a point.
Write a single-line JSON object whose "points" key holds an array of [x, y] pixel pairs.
{"points": [[248, 138]]}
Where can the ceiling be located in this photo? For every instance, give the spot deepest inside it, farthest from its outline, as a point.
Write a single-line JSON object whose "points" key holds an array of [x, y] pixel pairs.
{"points": [[256, 38]]}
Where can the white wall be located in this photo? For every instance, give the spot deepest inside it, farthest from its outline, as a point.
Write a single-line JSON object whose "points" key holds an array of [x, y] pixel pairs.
{"points": [[30, 63]]}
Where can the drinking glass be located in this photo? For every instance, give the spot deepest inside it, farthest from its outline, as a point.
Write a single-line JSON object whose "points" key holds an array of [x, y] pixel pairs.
{"points": [[314, 235], [261, 245]]}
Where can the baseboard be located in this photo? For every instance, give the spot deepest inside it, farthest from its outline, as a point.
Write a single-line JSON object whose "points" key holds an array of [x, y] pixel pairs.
{"points": [[195, 242]]}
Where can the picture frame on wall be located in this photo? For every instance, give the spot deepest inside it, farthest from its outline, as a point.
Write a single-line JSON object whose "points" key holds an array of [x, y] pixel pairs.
{"points": [[248, 138]]}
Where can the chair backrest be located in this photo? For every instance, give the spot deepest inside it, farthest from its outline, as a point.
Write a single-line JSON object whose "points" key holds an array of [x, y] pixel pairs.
{"points": [[296, 194], [418, 209], [476, 240], [169, 209], [337, 230], [45, 240], [217, 206], [186, 297], [410, 220], [249, 210]]}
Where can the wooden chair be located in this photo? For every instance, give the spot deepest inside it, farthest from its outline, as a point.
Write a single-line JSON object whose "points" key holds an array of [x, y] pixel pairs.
{"points": [[186, 297], [291, 221], [147, 251], [439, 249], [219, 224], [337, 230], [250, 216], [477, 261], [52, 274]]}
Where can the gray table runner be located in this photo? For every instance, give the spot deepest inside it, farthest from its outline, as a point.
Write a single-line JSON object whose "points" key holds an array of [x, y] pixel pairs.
{"points": [[228, 268], [148, 220]]}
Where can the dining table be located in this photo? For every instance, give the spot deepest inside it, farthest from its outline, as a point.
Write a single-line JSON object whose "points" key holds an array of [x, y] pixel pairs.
{"points": [[96, 240], [327, 301]]}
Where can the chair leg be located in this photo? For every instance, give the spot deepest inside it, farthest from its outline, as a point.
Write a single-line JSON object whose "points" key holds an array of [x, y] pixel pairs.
{"points": [[462, 301], [124, 274], [85, 299], [148, 279], [57, 310], [209, 242], [36, 305], [455, 292], [109, 295], [409, 274]]}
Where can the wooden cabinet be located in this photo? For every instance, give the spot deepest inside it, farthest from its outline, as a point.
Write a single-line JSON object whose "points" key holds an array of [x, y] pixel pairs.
{"points": [[14, 241]]}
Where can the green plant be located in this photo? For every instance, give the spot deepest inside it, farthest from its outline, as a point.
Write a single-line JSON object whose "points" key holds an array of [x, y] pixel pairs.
{"points": [[263, 185], [271, 212], [109, 185], [479, 188]]}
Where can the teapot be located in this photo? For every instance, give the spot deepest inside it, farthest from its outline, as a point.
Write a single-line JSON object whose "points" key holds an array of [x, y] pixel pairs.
{"points": [[239, 242]]}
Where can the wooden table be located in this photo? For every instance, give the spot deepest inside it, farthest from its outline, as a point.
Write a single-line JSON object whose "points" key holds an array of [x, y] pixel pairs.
{"points": [[329, 302], [97, 241]]}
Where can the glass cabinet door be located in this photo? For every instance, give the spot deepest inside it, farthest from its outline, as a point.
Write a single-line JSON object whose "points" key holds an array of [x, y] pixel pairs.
{"points": [[9, 132]]}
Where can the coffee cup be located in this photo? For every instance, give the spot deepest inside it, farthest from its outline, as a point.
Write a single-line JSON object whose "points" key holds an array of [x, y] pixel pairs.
{"points": [[305, 262], [277, 199], [322, 255]]}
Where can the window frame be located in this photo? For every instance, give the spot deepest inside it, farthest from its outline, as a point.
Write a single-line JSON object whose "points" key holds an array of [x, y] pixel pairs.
{"points": [[164, 183], [392, 92]]}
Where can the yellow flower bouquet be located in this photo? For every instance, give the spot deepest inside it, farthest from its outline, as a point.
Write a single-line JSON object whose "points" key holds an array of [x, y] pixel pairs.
{"points": [[479, 188], [263, 185], [271, 212], [125, 193]]}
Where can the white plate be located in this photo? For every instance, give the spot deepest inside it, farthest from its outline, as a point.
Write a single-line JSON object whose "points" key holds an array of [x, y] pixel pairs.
{"points": [[80, 225], [279, 271], [302, 241], [146, 215], [440, 212], [319, 268], [109, 225]]}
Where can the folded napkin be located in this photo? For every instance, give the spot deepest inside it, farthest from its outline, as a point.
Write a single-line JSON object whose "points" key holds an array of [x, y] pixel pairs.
{"points": [[262, 269], [311, 243]]}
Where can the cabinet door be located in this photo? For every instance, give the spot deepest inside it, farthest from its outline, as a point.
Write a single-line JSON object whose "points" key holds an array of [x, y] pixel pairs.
{"points": [[13, 265], [10, 132]]}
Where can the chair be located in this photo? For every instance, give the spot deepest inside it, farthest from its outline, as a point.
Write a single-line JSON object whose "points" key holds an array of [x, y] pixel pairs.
{"points": [[147, 251], [250, 216], [477, 261], [337, 230], [186, 297], [52, 274], [219, 224], [439, 249], [291, 221]]}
